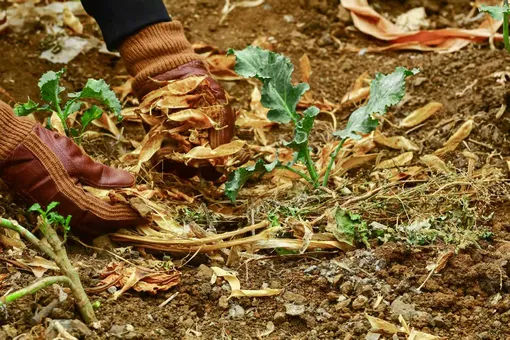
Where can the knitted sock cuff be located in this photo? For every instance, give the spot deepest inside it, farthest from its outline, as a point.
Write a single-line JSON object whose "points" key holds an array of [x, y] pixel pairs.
{"points": [[155, 50], [13, 130]]}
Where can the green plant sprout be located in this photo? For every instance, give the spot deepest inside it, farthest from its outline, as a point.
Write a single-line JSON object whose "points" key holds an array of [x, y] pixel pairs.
{"points": [[54, 248], [500, 13], [50, 88], [281, 98]]}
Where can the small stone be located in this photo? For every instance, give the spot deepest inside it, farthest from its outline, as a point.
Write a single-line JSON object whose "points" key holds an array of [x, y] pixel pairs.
{"points": [[81, 328], [112, 289], [423, 319], [294, 310], [337, 280], [289, 18], [236, 312], [275, 284], [279, 318], [123, 331], [223, 302], [59, 313], [310, 269], [188, 323], [333, 297], [439, 322], [346, 288], [399, 307], [360, 302], [343, 303], [343, 14], [204, 272], [205, 288], [484, 336], [322, 283], [293, 297]]}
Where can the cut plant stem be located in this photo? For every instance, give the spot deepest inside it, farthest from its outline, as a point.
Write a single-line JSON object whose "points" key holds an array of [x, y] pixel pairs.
{"points": [[506, 29], [58, 254], [333, 156]]}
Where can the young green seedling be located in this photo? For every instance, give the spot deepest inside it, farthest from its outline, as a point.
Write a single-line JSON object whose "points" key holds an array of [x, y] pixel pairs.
{"points": [[54, 248], [51, 91], [385, 91], [500, 13], [281, 98]]}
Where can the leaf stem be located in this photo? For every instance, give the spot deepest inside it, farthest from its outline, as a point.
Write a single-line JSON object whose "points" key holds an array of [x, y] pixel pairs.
{"points": [[35, 287], [333, 156], [311, 166], [300, 173], [506, 28]]}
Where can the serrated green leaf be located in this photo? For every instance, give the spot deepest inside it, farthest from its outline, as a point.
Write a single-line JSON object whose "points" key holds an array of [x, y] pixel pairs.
{"points": [[51, 206], [302, 132], [49, 84], [239, 177], [495, 11], [90, 115], [275, 72], [25, 109], [72, 106], [99, 90], [36, 207], [385, 91]]}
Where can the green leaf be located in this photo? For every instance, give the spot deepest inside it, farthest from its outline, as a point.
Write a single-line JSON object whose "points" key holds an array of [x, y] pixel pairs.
{"points": [[99, 90], [51, 206], [385, 91], [350, 227], [239, 177], [496, 11], [36, 208], [50, 87], [90, 115], [302, 132], [275, 72], [72, 106], [25, 109]]}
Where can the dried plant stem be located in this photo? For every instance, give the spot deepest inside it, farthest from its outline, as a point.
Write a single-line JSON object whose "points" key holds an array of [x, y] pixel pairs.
{"points": [[333, 156], [506, 28], [58, 254]]}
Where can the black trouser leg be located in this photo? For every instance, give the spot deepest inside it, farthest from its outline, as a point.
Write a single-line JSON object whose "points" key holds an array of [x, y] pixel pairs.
{"points": [[119, 19]]}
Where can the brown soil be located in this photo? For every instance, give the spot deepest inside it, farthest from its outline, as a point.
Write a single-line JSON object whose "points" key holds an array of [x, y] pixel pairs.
{"points": [[469, 299]]}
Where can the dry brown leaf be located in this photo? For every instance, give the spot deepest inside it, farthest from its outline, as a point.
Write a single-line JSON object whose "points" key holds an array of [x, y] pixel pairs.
{"points": [[71, 21], [56, 124], [195, 118], [398, 161], [305, 68], [395, 142], [381, 326], [368, 21], [106, 122], [124, 90], [420, 115], [454, 141], [139, 278], [205, 152], [357, 95], [416, 335], [40, 265], [357, 161], [435, 163], [235, 285]]}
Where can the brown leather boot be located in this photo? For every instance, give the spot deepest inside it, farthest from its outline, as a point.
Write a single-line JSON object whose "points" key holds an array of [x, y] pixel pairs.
{"points": [[44, 167]]}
